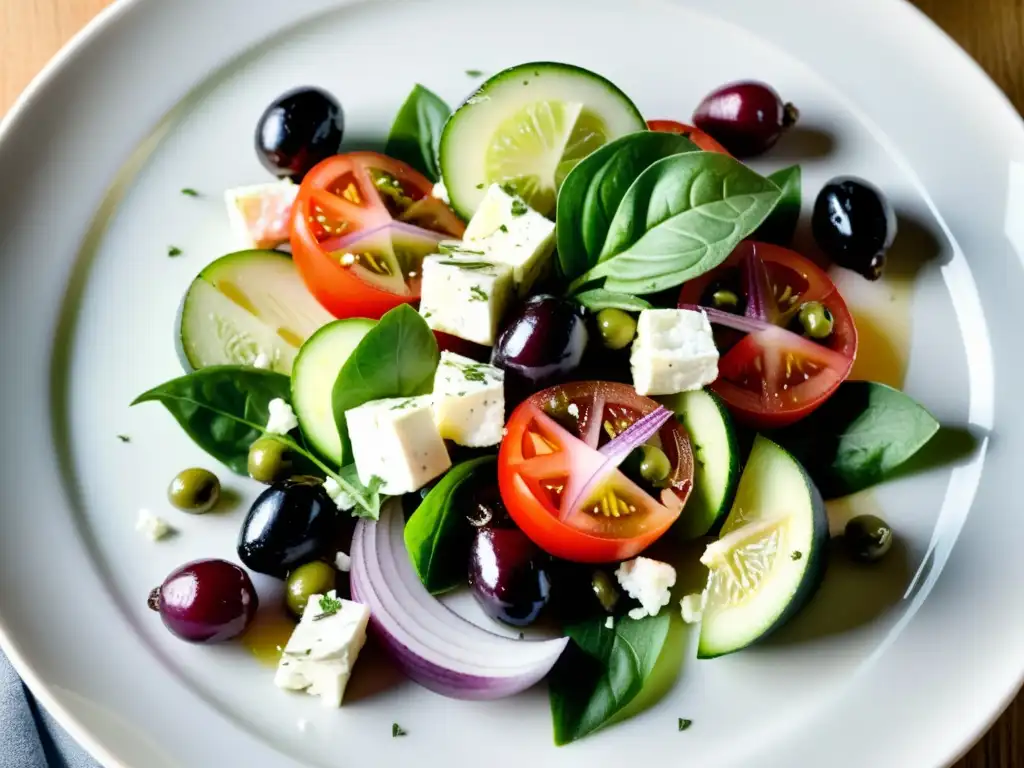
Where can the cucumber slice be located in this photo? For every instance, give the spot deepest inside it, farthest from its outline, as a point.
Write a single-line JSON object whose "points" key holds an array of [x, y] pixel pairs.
{"points": [[526, 128], [243, 305], [315, 371], [716, 468], [770, 558]]}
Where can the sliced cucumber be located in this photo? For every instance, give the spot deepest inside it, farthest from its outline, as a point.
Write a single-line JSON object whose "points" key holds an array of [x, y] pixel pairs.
{"points": [[716, 457], [527, 127], [246, 304], [771, 556], [315, 371]]}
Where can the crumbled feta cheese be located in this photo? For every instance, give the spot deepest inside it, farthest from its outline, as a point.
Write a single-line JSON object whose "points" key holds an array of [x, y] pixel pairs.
{"points": [[262, 361], [469, 401], [338, 495], [674, 351], [155, 528], [440, 191], [649, 582], [259, 214], [609, 623], [692, 607], [282, 418], [319, 657], [397, 441], [343, 562], [465, 296]]}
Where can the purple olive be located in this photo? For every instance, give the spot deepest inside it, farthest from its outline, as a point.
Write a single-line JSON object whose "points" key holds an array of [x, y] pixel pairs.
{"points": [[747, 117], [508, 575], [208, 601], [542, 344]]}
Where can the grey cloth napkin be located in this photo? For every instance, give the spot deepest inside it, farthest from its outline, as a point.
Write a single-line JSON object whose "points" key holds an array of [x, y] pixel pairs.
{"points": [[29, 736]]}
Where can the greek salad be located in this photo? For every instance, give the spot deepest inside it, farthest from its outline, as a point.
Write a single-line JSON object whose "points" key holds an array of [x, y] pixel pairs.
{"points": [[534, 349]]}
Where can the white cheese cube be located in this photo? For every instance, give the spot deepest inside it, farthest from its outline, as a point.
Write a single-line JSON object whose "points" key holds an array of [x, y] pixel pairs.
{"points": [[319, 657], [152, 527], [649, 582], [397, 440], [674, 351], [259, 215], [510, 232], [465, 296], [281, 419], [469, 401]]}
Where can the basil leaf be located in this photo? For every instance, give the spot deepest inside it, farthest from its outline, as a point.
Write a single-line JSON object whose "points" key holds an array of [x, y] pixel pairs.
{"points": [[416, 132], [859, 437], [602, 671], [437, 535], [781, 223], [682, 217], [598, 298], [593, 190], [396, 358]]}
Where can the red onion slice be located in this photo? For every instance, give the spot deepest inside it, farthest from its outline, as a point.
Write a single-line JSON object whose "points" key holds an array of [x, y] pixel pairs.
{"points": [[757, 287], [729, 320]]}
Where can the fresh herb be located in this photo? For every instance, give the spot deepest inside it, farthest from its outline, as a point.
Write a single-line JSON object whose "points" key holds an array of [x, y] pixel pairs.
{"points": [[519, 208], [474, 372], [781, 223], [504, 229], [471, 265], [416, 132], [859, 437], [173, 251], [480, 185], [329, 606], [602, 671], [684, 724], [396, 358], [475, 72], [598, 298], [797, 555], [592, 191], [454, 248], [189, 192], [437, 535], [124, 438], [402, 405], [397, 730], [477, 294]]}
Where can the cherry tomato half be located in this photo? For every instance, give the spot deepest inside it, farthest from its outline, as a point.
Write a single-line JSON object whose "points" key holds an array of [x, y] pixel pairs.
{"points": [[558, 487], [776, 376], [364, 192], [696, 135]]}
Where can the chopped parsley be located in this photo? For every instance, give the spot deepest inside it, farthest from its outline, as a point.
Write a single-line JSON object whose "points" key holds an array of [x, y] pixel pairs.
{"points": [[796, 555], [124, 438], [455, 248], [173, 251], [402, 405], [504, 229], [474, 72], [189, 192], [519, 208], [476, 293], [480, 185], [467, 264], [397, 730], [684, 724], [328, 607]]}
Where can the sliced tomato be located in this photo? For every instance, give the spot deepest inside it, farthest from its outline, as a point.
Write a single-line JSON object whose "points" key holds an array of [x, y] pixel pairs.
{"points": [[563, 492], [696, 135], [348, 194], [775, 376]]}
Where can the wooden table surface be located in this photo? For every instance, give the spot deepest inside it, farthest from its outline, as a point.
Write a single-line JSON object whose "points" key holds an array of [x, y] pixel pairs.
{"points": [[991, 30]]}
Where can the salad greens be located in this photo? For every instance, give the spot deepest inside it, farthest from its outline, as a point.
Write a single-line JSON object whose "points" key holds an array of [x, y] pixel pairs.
{"points": [[597, 299], [416, 132], [781, 223]]}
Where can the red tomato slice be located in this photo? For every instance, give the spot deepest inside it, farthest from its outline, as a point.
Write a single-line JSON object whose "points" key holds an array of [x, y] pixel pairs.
{"points": [[775, 377], [561, 491], [696, 135], [347, 194]]}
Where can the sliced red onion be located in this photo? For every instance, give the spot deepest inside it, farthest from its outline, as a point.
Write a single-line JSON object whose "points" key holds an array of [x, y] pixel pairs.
{"points": [[729, 320], [395, 230], [756, 286], [432, 645]]}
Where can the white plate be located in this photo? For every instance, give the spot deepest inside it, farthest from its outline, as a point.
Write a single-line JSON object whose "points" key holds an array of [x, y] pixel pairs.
{"points": [[156, 96]]}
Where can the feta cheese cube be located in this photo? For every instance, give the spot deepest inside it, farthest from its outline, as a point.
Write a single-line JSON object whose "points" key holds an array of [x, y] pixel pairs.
{"points": [[649, 582], [469, 401], [465, 297], [511, 232], [259, 214], [319, 657], [692, 607], [343, 562], [674, 351], [397, 441], [152, 527], [440, 191], [281, 419]]}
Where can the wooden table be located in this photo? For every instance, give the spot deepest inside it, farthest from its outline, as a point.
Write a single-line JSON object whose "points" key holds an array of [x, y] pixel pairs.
{"points": [[991, 30]]}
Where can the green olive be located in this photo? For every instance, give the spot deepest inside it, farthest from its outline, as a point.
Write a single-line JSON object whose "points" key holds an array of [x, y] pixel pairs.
{"points": [[605, 591], [269, 461], [654, 464], [314, 578], [617, 328], [816, 320], [868, 538], [725, 300], [194, 490]]}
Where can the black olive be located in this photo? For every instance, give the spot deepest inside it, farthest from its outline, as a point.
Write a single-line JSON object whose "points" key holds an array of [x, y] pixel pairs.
{"points": [[508, 575], [854, 224], [298, 130]]}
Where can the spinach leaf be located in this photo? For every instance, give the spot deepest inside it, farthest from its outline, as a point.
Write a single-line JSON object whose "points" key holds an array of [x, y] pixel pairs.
{"points": [[597, 299], [593, 190], [781, 223], [437, 534], [396, 358], [416, 132], [602, 671], [681, 218], [858, 437]]}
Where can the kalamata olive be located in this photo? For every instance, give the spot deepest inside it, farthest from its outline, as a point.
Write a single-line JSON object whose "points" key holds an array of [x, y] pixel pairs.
{"points": [[617, 328], [298, 130], [207, 601], [315, 578], [269, 460], [747, 117], [542, 344], [855, 224], [194, 490], [292, 522], [508, 575], [868, 538]]}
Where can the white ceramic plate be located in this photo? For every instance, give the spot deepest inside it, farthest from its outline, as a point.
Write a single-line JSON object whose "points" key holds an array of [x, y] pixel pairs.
{"points": [[904, 666]]}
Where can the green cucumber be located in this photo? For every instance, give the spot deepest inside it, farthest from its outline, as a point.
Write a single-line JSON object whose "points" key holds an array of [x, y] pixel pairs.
{"points": [[770, 558], [314, 373]]}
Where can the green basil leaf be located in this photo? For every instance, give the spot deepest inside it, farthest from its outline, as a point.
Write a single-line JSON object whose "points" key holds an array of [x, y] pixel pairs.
{"points": [[598, 298], [682, 217], [396, 358], [859, 437], [602, 671], [437, 535], [416, 132], [592, 191], [781, 223]]}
